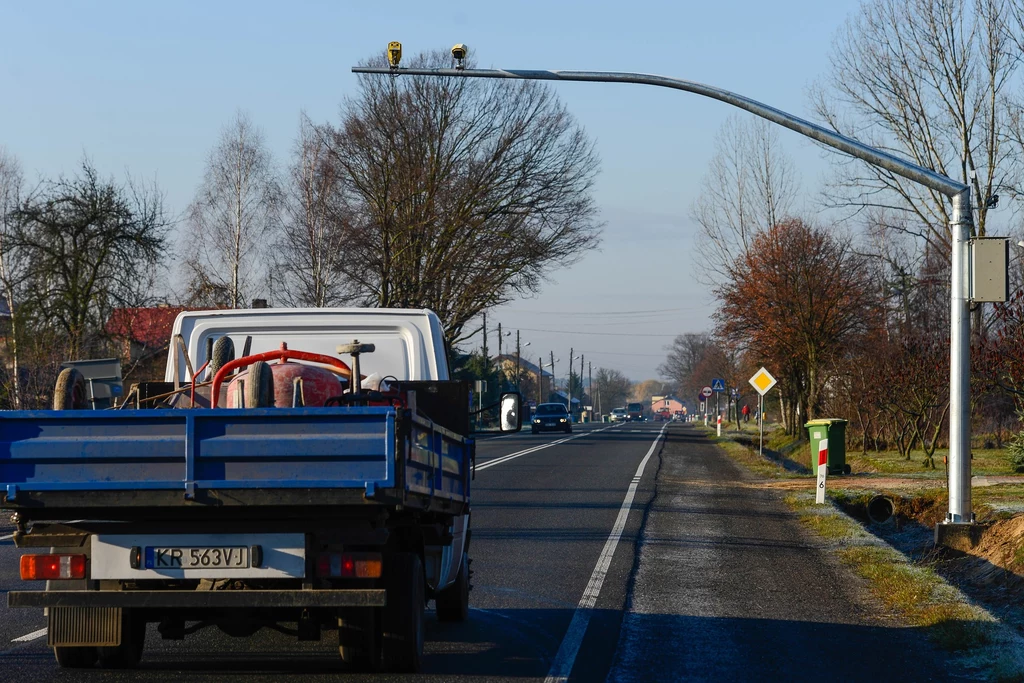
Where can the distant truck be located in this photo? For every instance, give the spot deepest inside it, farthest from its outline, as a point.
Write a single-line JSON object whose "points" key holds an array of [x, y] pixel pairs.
{"points": [[635, 412], [332, 493]]}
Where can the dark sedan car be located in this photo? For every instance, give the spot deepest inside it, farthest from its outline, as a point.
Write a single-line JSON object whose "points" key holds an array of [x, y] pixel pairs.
{"points": [[551, 417]]}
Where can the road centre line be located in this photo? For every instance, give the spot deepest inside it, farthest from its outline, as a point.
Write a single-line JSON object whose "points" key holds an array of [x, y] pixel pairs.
{"points": [[561, 667], [534, 449]]}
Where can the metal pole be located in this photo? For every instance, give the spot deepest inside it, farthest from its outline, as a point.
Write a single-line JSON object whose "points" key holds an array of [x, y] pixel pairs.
{"points": [[540, 382], [568, 384], [582, 393], [760, 422], [960, 367], [517, 360], [590, 382]]}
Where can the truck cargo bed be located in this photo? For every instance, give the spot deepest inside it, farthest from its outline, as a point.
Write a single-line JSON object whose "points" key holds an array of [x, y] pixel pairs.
{"points": [[263, 456]]}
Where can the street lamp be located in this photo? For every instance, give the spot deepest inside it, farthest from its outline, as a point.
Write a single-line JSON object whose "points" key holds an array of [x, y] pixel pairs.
{"points": [[961, 225]]}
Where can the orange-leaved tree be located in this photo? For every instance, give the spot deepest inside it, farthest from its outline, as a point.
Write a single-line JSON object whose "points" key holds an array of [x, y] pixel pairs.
{"points": [[796, 300]]}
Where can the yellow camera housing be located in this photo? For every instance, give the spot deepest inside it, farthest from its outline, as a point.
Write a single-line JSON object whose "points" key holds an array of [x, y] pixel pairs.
{"points": [[394, 53]]}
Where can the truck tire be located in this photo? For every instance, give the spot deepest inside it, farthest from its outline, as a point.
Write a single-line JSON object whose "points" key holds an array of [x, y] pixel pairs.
{"points": [[259, 386], [402, 617], [70, 393], [133, 641], [359, 638], [75, 657], [453, 602], [223, 353]]}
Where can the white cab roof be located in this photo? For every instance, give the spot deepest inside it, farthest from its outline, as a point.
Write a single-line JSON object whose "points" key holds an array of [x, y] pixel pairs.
{"points": [[410, 343]]}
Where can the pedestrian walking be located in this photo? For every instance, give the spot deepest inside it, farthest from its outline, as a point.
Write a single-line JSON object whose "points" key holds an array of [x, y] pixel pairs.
{"points": [[746, 413]]}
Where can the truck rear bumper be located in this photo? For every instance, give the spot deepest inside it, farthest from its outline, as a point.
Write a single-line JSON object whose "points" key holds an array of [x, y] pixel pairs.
{"points": [[164, 599]]}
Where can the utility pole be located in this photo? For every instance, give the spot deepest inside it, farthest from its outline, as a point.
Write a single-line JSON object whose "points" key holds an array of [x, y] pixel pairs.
{"points": [[500, 365], [540, 381], [551, 385], [590, 380], [517, 360], [487, 360], [568, 384], [582, 393]]}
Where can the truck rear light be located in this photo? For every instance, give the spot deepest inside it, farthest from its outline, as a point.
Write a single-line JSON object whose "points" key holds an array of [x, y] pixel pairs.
{"points": [[349, 565], [39, 567]]}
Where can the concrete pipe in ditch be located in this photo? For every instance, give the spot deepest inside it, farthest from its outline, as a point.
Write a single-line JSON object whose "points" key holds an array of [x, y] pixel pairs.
{"points": [[881, 509]]}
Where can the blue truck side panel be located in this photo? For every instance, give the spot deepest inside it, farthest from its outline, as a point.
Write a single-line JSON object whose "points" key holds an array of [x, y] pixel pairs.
{"points": [[185, 449]]}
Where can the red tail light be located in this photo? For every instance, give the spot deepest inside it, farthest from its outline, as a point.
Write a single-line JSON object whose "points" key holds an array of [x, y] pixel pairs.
{"points": [[349, 565], [38, 567]]}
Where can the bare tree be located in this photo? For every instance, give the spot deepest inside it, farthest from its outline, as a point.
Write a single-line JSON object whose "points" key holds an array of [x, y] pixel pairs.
{"points": [[230, 219], [750, 186], [465, 193], [612, 388], [685, 357], [308, 253], [11, 264], [88, 246], [928, 80]]}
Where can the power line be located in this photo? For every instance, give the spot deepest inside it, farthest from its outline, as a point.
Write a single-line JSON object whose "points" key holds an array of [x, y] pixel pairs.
{"points": [[603, 313], [598, 334]]}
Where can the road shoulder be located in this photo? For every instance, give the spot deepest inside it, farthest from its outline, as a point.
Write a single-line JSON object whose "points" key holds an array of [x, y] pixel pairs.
{"points": [[729, 586]]}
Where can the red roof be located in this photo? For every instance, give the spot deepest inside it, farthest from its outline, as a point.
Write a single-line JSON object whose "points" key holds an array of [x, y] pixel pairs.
{"points": [[150, 327]]}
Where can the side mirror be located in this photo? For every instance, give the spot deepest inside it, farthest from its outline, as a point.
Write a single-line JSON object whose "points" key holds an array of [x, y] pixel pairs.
{"points": [[511, 419]]}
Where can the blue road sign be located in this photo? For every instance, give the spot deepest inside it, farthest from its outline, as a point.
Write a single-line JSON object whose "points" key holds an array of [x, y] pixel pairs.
{"points": [[718, 385]]}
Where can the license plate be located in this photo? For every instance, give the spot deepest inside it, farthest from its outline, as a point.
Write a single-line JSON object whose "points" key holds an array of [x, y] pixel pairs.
{"points": [[218, 557]]}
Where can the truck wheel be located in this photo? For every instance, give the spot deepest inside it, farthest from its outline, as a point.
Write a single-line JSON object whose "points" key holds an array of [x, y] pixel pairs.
{"points": [[70, 392], [133, 641], [358, 638], [453, 602], [74, 657], [259, 386], [402, 617]]}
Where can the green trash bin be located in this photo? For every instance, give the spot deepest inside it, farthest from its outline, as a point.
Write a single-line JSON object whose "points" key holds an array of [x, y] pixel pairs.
{"points": [[834, 430]]}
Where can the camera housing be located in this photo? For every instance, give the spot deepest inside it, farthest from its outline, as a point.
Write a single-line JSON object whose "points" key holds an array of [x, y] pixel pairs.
{"points": [[394, 53], [459, 51]]}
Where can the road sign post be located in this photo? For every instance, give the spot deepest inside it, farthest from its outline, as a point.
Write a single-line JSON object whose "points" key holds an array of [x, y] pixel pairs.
{"points": [[762, 381]]}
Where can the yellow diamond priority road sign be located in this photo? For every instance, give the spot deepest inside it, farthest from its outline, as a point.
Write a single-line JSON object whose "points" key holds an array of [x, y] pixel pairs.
{"points": [[762, 381]]}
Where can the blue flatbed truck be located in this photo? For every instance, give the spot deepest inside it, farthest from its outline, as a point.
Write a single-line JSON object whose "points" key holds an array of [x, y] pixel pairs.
{"points": [[348, 516]]}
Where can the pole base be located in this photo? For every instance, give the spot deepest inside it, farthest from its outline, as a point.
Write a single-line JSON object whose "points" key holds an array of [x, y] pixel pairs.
{"points": [[962, 536]]}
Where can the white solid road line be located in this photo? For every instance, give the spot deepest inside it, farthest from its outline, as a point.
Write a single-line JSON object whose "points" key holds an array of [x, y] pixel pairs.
{"points": [[518, 454], [35, 635], [8, 536], [566, 657]]}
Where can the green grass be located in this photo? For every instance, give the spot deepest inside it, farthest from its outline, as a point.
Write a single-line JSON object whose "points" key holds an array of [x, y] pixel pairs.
{"points": [[917, 594], [744, 455], [985, 461]]}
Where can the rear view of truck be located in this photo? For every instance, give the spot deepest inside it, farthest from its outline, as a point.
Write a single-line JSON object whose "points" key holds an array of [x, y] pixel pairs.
{"points": [[314, 502]]}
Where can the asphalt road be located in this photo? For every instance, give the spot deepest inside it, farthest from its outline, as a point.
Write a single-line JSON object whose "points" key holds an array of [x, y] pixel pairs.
{"points": [[541, 521], [696, 577]]}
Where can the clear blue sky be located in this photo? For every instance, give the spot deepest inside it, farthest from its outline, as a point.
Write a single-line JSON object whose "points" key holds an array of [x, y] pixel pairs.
{"points": [[146, 87]]}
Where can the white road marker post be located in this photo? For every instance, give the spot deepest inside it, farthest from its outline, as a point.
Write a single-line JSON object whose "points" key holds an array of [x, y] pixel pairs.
{"points": [[719, 424], [819, 497]]}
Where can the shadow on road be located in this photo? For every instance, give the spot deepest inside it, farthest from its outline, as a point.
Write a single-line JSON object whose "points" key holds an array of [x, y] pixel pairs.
{"points": [[515, 644]]}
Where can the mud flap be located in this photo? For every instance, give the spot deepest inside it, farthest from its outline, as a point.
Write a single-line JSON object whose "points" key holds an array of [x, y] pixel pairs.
{"points": [[84, 626]]}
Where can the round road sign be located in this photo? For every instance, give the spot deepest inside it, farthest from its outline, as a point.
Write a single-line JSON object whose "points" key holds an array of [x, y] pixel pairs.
{"points": [[706, 392]]}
